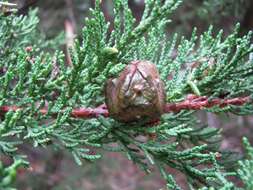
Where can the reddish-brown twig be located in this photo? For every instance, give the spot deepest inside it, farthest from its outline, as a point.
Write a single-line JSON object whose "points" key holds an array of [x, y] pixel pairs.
{"points": [[192, 102], [200, 102], [77, 113]]}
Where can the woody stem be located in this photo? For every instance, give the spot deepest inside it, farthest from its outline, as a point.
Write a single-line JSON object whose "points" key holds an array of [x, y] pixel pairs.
{"points": [[190, 103]]}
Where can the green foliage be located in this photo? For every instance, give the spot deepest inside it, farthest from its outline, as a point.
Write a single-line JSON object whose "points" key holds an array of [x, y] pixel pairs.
{"points": [[9, 174], [246, 166], [215, 67], [210, 65]]}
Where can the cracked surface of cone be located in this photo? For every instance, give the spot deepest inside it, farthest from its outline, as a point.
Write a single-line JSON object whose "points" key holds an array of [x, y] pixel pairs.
{"points": [[138, 93]]}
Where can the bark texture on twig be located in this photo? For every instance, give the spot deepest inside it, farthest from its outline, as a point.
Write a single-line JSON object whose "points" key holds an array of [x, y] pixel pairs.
{"points": [[192, 102]]}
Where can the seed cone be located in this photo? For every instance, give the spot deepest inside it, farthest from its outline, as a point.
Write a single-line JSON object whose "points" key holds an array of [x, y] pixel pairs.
{"points": [[136, 94]]}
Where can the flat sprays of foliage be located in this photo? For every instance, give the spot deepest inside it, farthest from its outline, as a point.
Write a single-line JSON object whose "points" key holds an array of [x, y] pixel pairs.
{"points": [[209, 65]]}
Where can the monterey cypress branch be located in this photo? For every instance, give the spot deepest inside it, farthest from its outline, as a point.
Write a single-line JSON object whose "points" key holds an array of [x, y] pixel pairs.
{"points": [[47, 102], [192, 102]]}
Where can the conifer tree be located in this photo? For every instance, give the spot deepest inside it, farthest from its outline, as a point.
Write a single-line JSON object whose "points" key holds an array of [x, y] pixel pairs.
{"points": [[44, 100]]}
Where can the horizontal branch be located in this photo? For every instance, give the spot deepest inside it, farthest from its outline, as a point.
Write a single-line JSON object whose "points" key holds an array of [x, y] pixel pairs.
{"points": [[77, 113], [192, 102]]}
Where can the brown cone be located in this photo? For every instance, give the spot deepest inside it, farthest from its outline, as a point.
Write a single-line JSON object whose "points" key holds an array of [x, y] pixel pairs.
{"points": [[137, 93]]}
